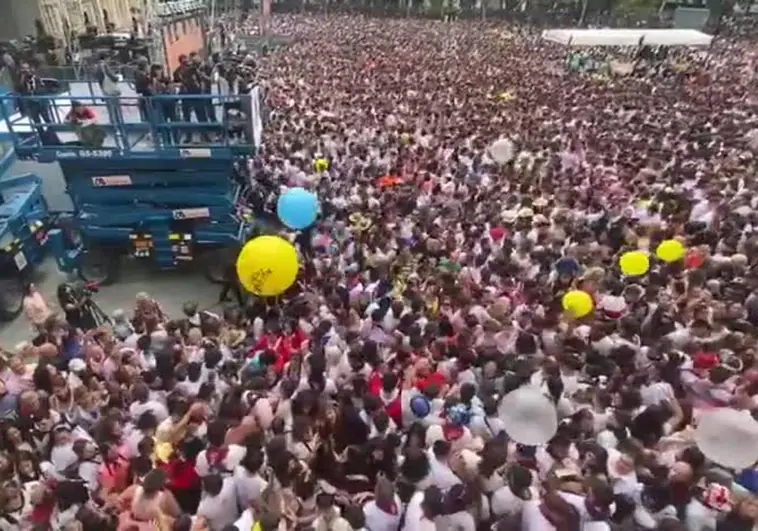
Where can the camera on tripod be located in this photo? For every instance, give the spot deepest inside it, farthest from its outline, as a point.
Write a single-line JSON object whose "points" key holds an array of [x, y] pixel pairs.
{"points": [[83, 290], [76, 298]]}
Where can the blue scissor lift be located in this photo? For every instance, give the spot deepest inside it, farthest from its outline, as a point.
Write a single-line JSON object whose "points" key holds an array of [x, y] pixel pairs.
{"points": [[24, 226], [142, 185]]}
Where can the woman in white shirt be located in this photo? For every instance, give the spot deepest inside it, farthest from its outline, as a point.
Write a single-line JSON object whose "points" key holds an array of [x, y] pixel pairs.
{"points": [[301, 440]]}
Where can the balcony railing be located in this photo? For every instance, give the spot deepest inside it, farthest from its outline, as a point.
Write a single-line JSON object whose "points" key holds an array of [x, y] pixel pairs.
{"points": [[178, 7]]}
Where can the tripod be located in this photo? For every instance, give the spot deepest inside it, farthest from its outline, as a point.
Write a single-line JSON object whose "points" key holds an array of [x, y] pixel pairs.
{"points": [[97, 313]]}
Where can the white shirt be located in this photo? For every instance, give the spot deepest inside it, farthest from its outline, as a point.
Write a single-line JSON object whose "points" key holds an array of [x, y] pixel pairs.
{"points": [[441, 474], [486, 427], [532, 518], [249, 486], [246, 521], [220, 510], [699, 517], [233, 458], [460, 521], [505, 502], [414, 515], [378, 520], [656, 393], [63, 457], [136, 409]]}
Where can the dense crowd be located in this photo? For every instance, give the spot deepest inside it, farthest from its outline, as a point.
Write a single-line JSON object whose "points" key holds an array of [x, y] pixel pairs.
{"points": [[378, 393]]}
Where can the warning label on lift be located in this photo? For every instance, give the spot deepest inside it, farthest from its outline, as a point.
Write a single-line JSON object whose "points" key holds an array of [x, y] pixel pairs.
{"points": [[191, 213], [112, 180], [195, 153]]}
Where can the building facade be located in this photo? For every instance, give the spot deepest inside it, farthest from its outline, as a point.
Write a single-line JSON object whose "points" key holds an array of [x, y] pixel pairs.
{"points": [[60, 18]]}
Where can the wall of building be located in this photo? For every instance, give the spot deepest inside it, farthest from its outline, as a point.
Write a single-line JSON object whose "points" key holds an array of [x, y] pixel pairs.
{"points": [[183, 37], [63, 16], [17, 18]]}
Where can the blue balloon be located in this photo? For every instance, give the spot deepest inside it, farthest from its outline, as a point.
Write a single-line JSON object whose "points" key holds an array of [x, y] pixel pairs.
{"points": [[297, 208], [420, 406]]}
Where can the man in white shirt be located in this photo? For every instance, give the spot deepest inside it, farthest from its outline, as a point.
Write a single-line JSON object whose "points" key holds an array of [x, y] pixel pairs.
{"points": [[439, 470], [143, 403], [219, 502], [422, 509]]}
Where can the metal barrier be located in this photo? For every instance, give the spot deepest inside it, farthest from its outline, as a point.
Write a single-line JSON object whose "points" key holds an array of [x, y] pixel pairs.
{"points": [[79, 72], [534, 13], [84, 72], [132, 126]]}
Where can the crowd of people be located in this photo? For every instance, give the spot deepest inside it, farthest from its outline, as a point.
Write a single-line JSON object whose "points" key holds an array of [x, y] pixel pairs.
{"points": [[378, 393]]}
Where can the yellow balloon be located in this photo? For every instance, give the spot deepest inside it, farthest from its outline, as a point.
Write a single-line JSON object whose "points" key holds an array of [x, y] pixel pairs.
{"points": [[578, 303], [267, 266], [163, 452], [634, 263], [671, 251], [321, 165]]}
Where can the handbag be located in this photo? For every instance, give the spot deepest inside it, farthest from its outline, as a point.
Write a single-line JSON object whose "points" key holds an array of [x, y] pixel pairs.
{"points": [[108, 86]]}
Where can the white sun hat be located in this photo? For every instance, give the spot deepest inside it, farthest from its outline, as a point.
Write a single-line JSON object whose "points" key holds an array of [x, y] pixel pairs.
{"points": [[728, 437], [529, 416]]}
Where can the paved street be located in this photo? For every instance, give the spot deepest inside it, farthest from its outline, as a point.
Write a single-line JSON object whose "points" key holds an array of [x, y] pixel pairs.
{"points": [[171, 288]]}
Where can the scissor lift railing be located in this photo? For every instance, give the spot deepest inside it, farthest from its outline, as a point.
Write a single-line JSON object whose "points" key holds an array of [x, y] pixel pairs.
{"points": [[170, 126], [142, 168]]}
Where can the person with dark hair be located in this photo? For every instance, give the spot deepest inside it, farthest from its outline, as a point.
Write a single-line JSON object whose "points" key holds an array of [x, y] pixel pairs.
{"points": [[74, 303], [218, 504], [219, 457]]}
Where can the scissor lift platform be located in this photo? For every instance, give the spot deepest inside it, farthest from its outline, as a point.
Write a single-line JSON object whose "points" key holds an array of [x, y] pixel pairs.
{"points": [[141, 180], [131, 127]]}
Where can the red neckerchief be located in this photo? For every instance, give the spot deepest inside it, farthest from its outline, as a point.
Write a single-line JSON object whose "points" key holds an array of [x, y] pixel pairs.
{"points": [[110, 463], [451, 432], [216, 456], [390, 509], [42, 512]]}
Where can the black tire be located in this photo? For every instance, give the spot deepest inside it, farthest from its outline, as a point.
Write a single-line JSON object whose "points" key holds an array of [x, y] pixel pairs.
{"points": [[100, 266], [11, 298], [214, 263]]}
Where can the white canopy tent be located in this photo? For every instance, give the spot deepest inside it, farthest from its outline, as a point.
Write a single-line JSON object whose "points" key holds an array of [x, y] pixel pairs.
{"points": [[628, 37]]}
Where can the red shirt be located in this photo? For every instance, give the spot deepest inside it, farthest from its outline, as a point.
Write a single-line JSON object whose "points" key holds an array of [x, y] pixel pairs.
{"points": [[394, 408], [181, 474], [283, 346], [81, 114]]}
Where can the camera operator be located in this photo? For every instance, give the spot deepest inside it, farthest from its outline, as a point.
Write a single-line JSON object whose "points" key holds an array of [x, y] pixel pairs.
{"points": [[143, 85], [29, 84], [78, 306], [165, 109], [205, 70], [188, 78]]}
